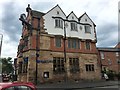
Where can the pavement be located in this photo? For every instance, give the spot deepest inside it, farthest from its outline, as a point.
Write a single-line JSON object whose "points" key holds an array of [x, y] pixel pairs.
{"points": [[79, 84]]}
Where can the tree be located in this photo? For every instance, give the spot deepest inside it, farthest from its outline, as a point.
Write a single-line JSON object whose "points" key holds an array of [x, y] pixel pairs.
{"points": [[7, 66]]}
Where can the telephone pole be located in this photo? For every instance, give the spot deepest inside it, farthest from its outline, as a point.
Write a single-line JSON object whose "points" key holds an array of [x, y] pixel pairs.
{"points": [[1, 39]]}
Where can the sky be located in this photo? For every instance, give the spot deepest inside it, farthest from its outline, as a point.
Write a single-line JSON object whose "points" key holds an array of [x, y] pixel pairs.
{"points": [[104, 13]]}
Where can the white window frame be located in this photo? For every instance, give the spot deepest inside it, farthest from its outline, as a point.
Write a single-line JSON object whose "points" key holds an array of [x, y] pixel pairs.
{"points": [[87, 29], [58, 41], [102, 55], [58, 23], [74, 26], [117, 54], [109, 61], [86, 47]]}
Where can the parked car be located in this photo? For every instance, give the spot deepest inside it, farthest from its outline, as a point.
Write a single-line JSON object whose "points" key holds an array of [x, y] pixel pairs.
{"points": [[17, 86]]}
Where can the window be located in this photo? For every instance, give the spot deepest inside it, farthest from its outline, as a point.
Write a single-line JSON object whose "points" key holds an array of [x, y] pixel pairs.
{"points": [[73, 43], [20, 47], [57, 12], [89, 67], [72, 17], [25, 65], [10, 88], [19, 87], [58, 65], [117, 54], [74, 65], [109, 62], [26, 41], [118, 61], [87, 29], [20, 67], [102, 55], [86, 20], [73, 26], [58, 41], [87, 45], [58, 23], [80, 27]]}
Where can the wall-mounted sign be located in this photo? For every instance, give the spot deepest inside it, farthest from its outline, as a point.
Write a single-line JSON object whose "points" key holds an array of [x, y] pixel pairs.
{"points": [[44, 61], [46, 74]]}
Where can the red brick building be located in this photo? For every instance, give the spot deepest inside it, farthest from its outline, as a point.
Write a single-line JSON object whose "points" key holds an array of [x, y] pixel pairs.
{"points": [[56, 47], [109, 58]]}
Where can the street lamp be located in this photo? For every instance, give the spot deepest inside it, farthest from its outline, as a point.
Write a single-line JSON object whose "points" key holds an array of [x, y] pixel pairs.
{"points": [[1, 43], [37, 49], [65, 25], [1, 38]]}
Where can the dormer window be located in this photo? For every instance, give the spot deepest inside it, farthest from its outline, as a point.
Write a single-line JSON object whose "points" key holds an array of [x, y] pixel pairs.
{"points": [[87, 29], [58, 23], [73, 26]]}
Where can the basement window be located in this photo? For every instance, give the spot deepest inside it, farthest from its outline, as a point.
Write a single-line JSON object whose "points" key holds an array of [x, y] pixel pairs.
{"points": [[89, 67]]}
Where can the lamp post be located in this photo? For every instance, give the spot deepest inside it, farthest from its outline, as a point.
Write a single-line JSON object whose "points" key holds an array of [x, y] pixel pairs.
{"points": [[1, 38], [65, 25], [37, 49], [1, 43]]}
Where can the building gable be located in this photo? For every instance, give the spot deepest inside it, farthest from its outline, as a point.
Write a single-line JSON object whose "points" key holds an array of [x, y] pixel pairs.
{"points": [[57, 12], [118, 45], [72, 16], [37, 14], [86, 19], [54, 20]]}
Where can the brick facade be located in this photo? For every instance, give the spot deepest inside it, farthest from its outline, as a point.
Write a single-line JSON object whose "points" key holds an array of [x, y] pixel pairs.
{"points": [[43, 44], [110, 58]]}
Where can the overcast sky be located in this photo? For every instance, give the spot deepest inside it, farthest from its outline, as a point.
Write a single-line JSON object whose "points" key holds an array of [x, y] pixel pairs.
{"points": [[104, 13]]}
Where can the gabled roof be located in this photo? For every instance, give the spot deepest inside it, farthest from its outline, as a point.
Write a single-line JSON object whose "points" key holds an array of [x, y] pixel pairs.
{"points": [[87, 16], [109, 49], [37, 14], [55, 7], [118, 45], [71, 13]]}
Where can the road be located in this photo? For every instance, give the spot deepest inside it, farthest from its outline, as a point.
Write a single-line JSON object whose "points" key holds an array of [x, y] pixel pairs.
{"points": [[111, 87], [114, 87], [84, 85]]}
